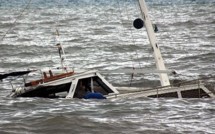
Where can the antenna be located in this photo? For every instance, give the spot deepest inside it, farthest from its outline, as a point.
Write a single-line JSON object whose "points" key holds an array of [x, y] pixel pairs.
{"points": [[61, 52]]}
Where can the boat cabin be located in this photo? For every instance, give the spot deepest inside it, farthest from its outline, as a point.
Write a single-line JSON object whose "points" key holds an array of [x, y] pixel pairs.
{"points": [[86, 85]]}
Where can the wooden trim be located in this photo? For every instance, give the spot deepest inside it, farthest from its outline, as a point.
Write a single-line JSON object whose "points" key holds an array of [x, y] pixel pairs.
{"points": [[48, 79], [55, 77]]}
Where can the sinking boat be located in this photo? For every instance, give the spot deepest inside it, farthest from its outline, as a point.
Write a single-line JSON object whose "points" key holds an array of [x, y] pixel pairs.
{"points": [[92, 85], [67, 85]]}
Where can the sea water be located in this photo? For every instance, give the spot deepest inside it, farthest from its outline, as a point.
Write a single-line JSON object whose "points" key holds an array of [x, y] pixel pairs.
{"points": [[98, 34]]}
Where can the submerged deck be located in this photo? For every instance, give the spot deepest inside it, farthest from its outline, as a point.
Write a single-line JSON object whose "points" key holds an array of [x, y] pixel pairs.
{"points": [[183, 91]]}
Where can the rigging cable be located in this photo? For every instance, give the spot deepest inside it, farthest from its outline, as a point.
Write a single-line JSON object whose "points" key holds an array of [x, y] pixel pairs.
{"points": [[133, 40], [20, 15], [130, 29], [150, 52]]}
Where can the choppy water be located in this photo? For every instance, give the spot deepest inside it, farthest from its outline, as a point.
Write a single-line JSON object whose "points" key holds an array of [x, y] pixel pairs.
{"points": [[98, 34], [150, 116]]}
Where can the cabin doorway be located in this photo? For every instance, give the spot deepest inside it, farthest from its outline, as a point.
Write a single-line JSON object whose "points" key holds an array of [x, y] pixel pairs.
{"points": [[92, 85]]}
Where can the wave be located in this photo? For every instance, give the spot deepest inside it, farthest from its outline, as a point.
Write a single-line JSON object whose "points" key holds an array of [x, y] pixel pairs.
{"points": [[185, 23], [204, 57], [181, 2], [63, 3]]}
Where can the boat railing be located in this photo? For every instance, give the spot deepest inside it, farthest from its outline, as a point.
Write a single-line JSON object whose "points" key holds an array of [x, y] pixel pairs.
{"points": [[47, 76], [198, 82]]}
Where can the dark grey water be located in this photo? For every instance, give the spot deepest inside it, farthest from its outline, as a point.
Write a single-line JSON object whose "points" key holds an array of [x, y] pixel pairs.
{"points": [[99, 35], [151, 116]]}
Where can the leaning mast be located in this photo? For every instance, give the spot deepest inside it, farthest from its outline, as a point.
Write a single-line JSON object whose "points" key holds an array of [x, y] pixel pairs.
{"points": [[164, 79]]}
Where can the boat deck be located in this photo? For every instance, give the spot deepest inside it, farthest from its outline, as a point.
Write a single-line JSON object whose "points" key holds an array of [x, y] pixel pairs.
{"points": [[183, 91]]}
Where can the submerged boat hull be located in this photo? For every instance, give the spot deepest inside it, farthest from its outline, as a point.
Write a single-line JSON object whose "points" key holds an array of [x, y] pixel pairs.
{"points": [[185, 91], [75, 86]]}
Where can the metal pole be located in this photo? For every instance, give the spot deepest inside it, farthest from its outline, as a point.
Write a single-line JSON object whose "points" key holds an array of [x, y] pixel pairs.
{"points": [[164, 79]]}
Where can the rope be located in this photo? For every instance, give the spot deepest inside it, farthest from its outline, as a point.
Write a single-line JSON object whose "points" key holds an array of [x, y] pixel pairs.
{"points": [[132, 36], [20, 15], [133, 40]]}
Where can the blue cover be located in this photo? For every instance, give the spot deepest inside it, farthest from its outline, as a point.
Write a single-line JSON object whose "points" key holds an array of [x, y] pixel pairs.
{"points": [[90, 95]]}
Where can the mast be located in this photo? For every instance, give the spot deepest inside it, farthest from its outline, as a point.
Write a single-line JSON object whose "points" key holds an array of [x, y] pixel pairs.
{"points": [[61, 52], [164, 79]]}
